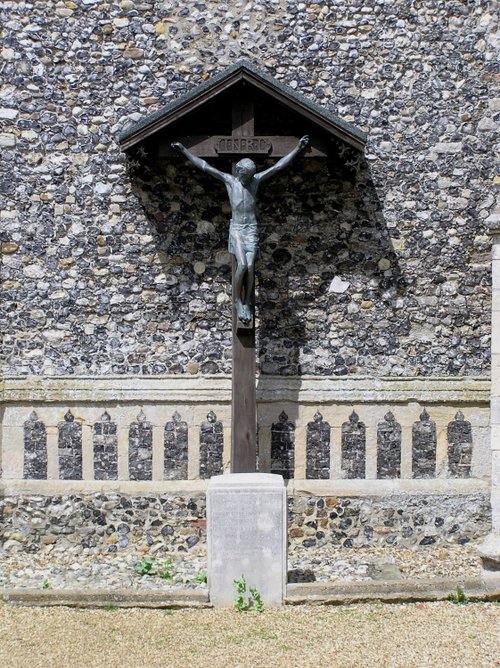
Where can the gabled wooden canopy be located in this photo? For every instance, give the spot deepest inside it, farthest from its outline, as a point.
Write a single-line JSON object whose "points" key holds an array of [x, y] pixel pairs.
{"points": [[256, 83]]}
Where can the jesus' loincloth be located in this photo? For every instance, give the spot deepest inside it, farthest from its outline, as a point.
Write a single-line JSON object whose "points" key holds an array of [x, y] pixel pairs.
{"points": [[245, 235]]}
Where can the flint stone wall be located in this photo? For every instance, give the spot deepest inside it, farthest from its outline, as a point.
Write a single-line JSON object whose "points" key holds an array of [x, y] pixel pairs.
{"points": [[377, 266], [110, 523]]}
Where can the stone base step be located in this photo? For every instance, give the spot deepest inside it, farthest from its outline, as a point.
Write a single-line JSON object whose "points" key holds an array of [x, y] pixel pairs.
{"points": [[307, 593]]}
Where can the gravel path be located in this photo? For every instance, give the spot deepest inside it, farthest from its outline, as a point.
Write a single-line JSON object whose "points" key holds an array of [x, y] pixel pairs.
{"points": [[364, 636], [60, 569]]}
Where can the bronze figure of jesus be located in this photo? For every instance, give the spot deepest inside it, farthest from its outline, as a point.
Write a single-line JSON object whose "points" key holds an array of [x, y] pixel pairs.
{"points": [[243, 232]]}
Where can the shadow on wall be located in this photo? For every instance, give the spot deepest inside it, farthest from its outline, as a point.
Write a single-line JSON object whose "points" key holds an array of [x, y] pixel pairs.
{"points": [[188, 218], [327, 277]]}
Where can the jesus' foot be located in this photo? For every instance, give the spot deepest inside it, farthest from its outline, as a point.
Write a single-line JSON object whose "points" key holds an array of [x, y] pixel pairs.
{"points": [[244, 314]]}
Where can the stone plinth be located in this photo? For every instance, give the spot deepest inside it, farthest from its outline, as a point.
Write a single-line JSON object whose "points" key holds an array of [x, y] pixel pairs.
{"points": [[246, 523]]}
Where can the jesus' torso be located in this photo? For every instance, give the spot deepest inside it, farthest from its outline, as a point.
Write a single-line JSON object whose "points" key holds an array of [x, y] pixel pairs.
{"points": [[243, 200], [243, 227]]}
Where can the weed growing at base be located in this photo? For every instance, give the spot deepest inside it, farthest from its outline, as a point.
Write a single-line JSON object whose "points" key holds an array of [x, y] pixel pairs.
{"points": [[459, 597], [244, 602], [150, 566]]}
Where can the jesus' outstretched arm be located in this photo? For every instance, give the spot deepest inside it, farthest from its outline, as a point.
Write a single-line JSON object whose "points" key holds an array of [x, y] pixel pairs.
{"points": [[284, 162], [199, 162]]}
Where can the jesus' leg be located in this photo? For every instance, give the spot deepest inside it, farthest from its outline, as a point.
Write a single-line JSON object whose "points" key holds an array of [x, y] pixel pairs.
{"points": [[248, 287], [240, 281]]}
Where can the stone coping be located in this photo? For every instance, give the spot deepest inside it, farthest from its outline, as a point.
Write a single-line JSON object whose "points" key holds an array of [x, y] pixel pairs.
{"points": [[354, 488], [245, 480], [217, 388]]}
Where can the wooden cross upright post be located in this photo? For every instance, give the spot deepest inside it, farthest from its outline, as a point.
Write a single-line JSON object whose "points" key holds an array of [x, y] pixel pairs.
{"points": [[244, 403]]}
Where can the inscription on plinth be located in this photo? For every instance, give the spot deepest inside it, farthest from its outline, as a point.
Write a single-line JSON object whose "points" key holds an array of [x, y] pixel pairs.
{"points": [[246, 515]]}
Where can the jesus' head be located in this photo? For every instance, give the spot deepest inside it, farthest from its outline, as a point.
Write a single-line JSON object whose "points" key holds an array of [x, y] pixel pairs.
{"points": [[245, 170]]}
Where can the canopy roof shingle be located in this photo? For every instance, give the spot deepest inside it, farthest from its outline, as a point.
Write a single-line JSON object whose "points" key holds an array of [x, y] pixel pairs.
{"points": [[221, 82]]}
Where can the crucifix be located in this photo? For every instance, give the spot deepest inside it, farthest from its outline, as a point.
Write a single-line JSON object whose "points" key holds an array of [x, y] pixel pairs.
{"points": [[255, 101], [242, 186]]}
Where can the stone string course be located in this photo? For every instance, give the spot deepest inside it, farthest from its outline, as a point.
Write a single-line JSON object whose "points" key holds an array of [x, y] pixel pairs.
{"points": [[377, 265], [109, 523]]}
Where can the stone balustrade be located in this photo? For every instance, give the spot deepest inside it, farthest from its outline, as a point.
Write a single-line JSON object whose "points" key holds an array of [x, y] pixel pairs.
{"points": [[404, 436]]}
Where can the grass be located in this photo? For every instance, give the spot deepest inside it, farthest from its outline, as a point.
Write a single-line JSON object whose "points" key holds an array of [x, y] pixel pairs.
{"points": [[442, 635]]}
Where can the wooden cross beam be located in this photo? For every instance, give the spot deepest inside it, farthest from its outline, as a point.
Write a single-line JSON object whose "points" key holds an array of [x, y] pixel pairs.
{"points": [[217, 146]]}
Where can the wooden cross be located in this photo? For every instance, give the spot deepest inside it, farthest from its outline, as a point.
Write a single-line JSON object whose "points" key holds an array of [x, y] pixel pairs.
{"points": [[241, 141]]}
